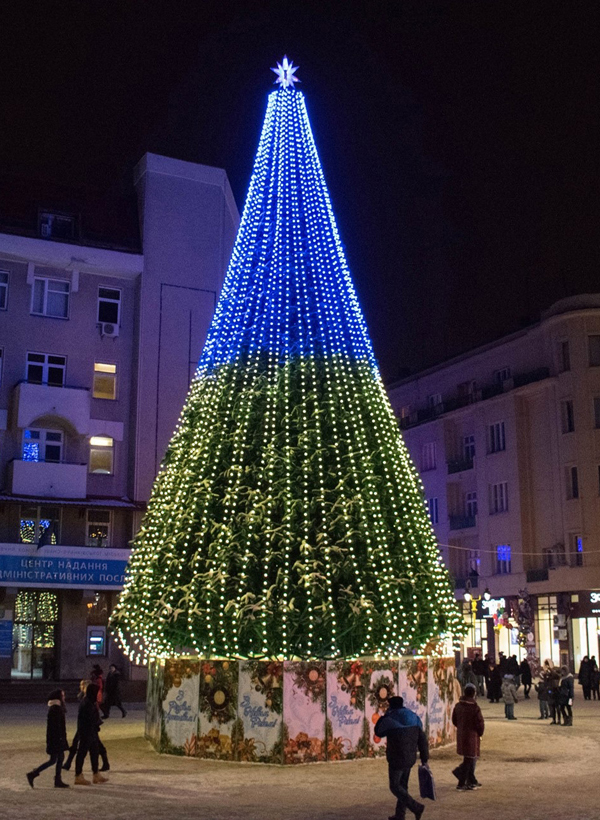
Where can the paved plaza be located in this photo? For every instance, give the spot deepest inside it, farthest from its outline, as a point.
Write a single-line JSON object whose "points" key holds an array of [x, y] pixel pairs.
{"points": [[530, 770]]}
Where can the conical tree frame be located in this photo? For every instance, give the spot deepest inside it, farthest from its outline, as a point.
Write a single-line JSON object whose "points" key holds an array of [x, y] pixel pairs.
{"points": [[287, 519]]}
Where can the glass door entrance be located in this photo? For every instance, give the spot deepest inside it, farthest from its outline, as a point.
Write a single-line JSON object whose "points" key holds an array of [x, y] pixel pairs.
{"points": [[34, 639]]}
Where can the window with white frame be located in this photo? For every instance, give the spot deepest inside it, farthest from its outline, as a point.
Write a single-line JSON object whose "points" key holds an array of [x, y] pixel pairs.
{"points": [[50, 297], [428, 456], [503, 559], [39, 525], [98, 528], [567, 416], [576, 549], [432, 506], [498, 497], [564, 356], [434, 400], [3, 289], [101, 455], [497, 438], [572, 481], [471, 504], [109, 305], [46, 368], [501, 375], [42, 445], [468, 448], [105, 381]]}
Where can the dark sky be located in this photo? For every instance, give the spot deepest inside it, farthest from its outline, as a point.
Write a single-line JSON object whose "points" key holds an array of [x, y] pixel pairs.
{"points": [[459, 139]]}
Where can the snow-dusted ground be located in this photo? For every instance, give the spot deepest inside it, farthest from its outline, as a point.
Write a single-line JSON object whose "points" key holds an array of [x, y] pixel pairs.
{"points": [[530, 770]]}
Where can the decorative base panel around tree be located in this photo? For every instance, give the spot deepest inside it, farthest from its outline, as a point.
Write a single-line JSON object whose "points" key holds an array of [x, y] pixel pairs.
{"points": [[292, 712]]}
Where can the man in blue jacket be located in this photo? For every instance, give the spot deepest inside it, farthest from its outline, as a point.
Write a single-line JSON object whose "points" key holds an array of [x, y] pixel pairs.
{"points": [[404, 732]]}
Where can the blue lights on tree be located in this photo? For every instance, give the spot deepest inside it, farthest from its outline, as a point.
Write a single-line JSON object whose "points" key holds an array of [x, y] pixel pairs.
{"points": [[287, 519]]}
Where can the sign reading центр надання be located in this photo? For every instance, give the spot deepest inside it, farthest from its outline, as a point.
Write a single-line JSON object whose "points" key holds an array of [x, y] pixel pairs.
{"points": [[57, 567]]}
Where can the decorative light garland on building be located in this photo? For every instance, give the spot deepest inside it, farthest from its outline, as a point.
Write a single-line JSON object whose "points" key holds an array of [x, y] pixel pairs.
{"points": [[287, 519]]}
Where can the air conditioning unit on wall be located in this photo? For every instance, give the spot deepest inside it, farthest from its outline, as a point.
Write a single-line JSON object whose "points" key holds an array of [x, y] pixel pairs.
{"points": [[109, 329]]}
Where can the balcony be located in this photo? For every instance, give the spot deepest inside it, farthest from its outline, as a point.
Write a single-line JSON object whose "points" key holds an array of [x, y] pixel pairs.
{"points": [[71, 404], [462, 522], [47, 479], [460, 465]]}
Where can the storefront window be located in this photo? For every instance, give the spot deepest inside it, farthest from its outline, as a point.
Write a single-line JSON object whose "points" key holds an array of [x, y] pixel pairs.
{"points": [[546, 634], [36, 616]]}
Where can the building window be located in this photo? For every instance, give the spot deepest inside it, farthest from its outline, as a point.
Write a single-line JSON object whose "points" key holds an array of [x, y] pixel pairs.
{"points": [[567, 416], [428, 456], [51, 298], [471, 505], [597, 412], [466, 390], [57, 226], [39, 525], [554, 556], [503, 559], [501, 375], [432, 506], [572, 482], [43, 368], [469, 448], [594, 350], [105, 381], [498, 498], [576, 544], [1, 362], [3, 289], [434, 402], [497, 439], [42, 445], [109, 306], [101, 455], [564, 356], [98, 528]]}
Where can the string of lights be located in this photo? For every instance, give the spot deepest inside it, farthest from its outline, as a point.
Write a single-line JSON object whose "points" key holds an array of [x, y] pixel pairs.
{"points": [[287, 519]]}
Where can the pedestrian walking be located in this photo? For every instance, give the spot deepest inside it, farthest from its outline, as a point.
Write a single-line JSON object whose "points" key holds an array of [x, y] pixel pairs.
{"points": [[595, 678], [88, 726], [405, 736], [97, 677], [542, 692], [112, 692], [56, 739], [479, 670], [495, 684], [509, 696], [526, 678], [585, 677], [566, 694], [513, 668], [467, 675], [553, 680], [467, 718]]}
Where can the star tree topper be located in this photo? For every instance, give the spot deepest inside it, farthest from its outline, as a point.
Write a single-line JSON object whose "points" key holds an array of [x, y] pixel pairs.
{"points": [[285, 73]]}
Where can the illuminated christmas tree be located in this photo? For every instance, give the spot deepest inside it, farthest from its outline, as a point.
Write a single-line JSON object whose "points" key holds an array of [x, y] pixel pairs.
{"points": [[287, 519]]}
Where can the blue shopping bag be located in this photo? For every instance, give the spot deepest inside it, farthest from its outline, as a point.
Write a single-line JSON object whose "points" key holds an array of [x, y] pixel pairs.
{"points": [[426, 782]]}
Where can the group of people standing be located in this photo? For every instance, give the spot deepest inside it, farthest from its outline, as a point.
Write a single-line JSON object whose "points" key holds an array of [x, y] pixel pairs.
{"points": [[589, 678], [96, 696]]}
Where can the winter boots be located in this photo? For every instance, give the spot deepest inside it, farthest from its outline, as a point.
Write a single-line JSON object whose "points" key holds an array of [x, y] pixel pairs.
{"points": [[58, 784], [31, 776], [98, 778], [81, 781]]}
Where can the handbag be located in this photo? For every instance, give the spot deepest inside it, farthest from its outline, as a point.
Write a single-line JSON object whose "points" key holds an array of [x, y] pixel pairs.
{"points": [[426, 782]]}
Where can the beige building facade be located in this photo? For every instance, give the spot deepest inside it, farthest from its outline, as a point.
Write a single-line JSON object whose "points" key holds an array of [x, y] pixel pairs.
{"points": [[507, 441]]}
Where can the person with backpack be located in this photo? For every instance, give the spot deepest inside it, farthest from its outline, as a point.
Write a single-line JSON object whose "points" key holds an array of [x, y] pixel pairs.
{"points": [[405, 736], [56, 740], [470, 725]]}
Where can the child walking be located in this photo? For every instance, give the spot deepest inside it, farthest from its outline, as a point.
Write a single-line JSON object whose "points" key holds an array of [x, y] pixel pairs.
{"points": [[56, 739], [509, 696]]}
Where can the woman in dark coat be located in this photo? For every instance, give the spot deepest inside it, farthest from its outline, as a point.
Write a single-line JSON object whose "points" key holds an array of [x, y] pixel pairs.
{"points": [[526, 679], [585, 677], [56, 739], [495, 684], [566, 693], [469, 723], [88, 726]]}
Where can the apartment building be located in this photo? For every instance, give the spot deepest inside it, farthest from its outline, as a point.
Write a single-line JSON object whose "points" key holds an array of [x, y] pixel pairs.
{"points": [[97, 348], [507, 441]]}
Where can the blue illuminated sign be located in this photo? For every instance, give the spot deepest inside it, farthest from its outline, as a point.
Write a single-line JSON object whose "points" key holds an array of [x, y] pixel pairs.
{"points": [[40, 570]]}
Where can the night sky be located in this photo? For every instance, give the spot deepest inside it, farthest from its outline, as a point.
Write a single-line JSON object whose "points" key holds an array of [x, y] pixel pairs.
{"points": [[459, 139]]}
